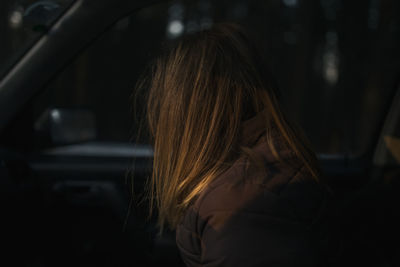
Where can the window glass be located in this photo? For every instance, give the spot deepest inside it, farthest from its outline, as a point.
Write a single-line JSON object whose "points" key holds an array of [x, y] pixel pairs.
{"points": [[22, 22], [336, 62]]}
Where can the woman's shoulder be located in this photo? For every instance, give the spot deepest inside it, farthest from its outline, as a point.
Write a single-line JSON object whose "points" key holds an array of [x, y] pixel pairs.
{"points": [[286, 192], [234, 221]]}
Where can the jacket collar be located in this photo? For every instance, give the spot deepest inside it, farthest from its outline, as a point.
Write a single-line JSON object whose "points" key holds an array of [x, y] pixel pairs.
{"points": [[252, 129]]}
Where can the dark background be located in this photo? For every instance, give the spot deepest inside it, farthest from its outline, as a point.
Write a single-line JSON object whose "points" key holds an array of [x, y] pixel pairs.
{"points": [[336, 61]]}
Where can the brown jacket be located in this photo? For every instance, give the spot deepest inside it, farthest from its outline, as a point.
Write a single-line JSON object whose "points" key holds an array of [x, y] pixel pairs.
{"points": [[251, 217]]}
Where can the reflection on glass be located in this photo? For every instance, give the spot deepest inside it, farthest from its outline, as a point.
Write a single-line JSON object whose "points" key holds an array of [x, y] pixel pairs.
{"points": [[330, 60], [290, 3], [16, 18], [175, 28], [330, 65]]}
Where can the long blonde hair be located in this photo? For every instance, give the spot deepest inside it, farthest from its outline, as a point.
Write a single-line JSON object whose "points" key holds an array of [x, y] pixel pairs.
{"points": [[200, 93]]}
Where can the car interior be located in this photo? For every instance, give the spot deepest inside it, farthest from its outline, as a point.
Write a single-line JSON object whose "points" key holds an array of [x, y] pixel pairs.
{"points": [[75, 156]]}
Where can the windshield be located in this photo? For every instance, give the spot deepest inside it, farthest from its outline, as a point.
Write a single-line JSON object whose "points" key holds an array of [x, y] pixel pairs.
{"points": [[22, 23]]}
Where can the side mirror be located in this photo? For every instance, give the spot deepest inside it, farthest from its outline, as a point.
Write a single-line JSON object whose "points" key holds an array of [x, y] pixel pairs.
{"points": [[61, 126]]}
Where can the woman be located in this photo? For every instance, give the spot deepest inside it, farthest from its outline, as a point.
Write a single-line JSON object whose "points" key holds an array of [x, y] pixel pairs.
{"points": [[230, 174]]}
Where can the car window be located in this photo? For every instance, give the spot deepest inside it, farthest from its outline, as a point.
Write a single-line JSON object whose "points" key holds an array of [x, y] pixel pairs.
{"points": [[22, 23], [336, 63]]}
